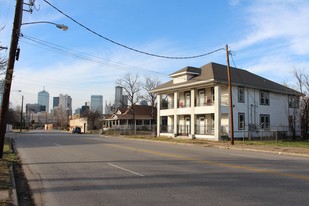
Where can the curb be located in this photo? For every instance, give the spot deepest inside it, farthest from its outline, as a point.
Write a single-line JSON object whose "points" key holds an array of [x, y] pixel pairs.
{"points": [[13, 191], [264, 151]]}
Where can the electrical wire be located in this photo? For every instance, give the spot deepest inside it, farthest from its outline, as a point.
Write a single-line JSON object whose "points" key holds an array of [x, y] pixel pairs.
{"points": [[77, 54], [130, 48]]}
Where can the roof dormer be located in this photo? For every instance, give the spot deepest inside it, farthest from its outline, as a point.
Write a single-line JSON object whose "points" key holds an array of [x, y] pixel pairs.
{"points": [[185, 74]]}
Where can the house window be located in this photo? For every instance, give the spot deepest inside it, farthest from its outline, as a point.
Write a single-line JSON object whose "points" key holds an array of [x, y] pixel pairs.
{"points": [[264, 98], [241, 121], [241, 94], [264, 121], [293, 102]]}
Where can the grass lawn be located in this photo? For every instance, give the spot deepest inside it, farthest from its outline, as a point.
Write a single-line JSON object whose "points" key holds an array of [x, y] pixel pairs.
{"points": [[289, 144], [283, 144]]}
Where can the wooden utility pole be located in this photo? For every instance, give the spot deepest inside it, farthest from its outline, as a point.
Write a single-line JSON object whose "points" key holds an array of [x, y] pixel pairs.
{"points": [[231, 124], [9, 72]]}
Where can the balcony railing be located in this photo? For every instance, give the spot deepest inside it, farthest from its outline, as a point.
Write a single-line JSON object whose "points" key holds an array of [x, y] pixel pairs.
{"points": [[166, 128], [202, 103], [183, 103], [204, 130], [167, 105], [183, 129]]}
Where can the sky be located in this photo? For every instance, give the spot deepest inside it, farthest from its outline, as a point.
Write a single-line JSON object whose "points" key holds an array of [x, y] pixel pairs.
{"points": [[266, 37]]}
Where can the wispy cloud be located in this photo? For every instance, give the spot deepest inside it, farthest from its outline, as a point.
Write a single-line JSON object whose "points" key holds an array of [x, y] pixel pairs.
{"points": [[276, 38], [278, 19]]}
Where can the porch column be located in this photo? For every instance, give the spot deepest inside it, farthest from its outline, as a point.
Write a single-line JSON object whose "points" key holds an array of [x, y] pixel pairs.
{"points": [[192, 111], [217, 114], [158, 114], [175, 113]]}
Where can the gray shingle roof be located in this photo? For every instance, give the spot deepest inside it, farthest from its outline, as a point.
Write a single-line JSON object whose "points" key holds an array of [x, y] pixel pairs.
{"points": [[217, 73], [188, 69]]}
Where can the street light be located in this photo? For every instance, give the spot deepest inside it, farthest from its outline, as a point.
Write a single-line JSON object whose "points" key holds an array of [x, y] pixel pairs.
{"points": [[10, 67], [60, 26]]}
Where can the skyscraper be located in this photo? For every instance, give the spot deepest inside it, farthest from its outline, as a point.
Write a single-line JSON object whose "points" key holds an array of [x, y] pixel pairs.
{"points": [[55, 102], [118, 97], [43, 99], [96, 103], [65, 102]]}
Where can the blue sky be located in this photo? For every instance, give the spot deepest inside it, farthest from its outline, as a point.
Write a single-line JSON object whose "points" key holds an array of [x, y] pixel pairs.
{"points": [[267, 37]]}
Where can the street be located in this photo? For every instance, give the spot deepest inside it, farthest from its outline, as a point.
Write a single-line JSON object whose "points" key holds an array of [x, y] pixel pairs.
{"points": [[84, 169]]}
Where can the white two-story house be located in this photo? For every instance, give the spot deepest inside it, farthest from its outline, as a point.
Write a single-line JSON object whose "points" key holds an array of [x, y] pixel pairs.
{"points": [[195, 103]]}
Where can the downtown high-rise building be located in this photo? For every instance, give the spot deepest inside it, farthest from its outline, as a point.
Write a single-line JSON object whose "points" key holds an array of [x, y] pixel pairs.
{"points": [[65, 102], [55, 102], [121, 100], [96, 103], [43, 99], [118, 97]]}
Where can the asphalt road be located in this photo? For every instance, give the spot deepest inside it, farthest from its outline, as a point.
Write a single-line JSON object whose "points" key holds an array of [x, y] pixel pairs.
{"points": [[81, 169]]}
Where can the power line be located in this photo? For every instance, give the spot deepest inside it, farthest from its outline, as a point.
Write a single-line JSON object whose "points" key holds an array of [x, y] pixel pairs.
{"points": [[79, 55], [130, 48]]}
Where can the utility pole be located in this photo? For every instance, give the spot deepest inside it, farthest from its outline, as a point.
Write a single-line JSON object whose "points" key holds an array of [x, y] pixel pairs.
{"points": [[9, 72], [231, 124], [21, 113]]}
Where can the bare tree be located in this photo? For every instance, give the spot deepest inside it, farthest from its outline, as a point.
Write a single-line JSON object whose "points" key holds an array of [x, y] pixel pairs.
{"points": [[93, 117], [300, 77], [132, 87], [150, 84], [3, 63], [303, 87]]}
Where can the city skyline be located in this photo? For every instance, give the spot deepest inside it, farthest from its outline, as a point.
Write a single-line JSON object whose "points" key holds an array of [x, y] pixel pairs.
{"points": [[95, 101]]}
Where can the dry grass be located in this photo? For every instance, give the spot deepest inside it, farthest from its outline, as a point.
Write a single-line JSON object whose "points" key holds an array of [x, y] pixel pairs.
{"points": [[5, 176]]}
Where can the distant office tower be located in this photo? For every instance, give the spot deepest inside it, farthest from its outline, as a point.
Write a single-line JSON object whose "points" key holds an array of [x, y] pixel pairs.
{"points": [[65, 102], [84, 110], [77, 111], [118, 97], [96, 103], [43, 99], [55, 102], [124, 100], [108, 108], [35, 108]]}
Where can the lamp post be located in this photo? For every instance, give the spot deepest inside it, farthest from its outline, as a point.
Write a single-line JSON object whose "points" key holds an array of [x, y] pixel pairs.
{"points": [[59, 26], [21, 110], [10, 67], [21, 113]]}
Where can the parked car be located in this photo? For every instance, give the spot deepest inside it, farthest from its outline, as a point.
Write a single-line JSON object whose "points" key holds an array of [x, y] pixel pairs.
{"points": [[77, 130]]}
